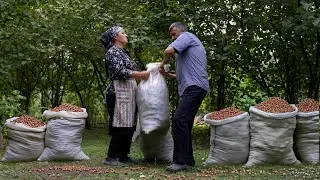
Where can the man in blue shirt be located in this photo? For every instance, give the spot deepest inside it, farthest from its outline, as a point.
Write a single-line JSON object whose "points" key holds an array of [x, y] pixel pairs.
{"points": [[193, 85]]}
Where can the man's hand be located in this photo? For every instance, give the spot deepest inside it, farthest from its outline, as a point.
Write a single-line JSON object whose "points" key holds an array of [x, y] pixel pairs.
{"points": [[164, 73], [162, 70]]}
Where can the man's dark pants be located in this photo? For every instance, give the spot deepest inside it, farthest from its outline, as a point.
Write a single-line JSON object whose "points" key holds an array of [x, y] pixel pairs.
{"points": [[183, 122]]}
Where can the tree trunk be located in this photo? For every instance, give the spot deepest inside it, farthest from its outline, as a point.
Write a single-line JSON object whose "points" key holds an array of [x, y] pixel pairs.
{"points": [[25, 104], [290, 73], [77, 91], [221, 88]]}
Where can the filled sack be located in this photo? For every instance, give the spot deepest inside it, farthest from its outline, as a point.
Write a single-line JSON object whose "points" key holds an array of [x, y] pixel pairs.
{"points": [[153, 101], [157, 147], [25, 143], [64, 135], [229, 140], [154, 116], [306, 137], [272, 137]]}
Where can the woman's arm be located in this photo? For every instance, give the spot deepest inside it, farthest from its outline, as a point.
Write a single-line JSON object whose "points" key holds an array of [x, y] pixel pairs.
{"points": [[140, 75], [118, 68]]}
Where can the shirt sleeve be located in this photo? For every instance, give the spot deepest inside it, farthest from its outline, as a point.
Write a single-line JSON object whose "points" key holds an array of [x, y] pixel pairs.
{"points": [[117, 66], [181, 43]]}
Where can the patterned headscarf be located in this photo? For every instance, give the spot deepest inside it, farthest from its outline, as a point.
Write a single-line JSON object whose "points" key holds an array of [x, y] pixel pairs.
{"points": [[106, 37]]}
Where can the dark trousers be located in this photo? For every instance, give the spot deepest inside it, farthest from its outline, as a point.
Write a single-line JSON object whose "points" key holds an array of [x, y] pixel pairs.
{"points": [[121, 137], [183, 122]]}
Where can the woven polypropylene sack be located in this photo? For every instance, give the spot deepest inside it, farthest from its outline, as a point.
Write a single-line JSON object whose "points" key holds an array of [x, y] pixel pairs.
{"points": [[64, 136], [229, 140], [24, 143], [157, 146], [306, 137], [271, 137], [153, 101]]}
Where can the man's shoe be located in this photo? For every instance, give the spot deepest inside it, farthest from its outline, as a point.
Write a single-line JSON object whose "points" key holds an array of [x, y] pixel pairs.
{"points": [[112, 162], [176, 167]]}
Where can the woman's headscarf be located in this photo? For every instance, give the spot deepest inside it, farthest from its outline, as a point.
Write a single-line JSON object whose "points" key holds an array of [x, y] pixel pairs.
{"points": [[106, 37]]}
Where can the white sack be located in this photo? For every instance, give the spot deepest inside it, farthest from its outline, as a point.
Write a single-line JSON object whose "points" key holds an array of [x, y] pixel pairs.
{"points": [[229, 140], [64, 136], [24, 143], [153, 101], [271, 137], [156, 142], [306, 137], [157, 147]]}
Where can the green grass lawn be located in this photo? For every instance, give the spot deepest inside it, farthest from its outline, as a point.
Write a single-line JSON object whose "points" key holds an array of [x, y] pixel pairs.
{"points": [[95, 145]]}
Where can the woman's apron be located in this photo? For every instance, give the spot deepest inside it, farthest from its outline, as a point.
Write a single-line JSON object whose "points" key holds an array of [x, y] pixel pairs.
{"points": [[125, 105]]}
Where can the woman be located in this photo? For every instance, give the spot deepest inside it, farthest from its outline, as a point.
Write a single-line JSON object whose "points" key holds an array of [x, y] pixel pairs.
{"points": [[120, 94]]}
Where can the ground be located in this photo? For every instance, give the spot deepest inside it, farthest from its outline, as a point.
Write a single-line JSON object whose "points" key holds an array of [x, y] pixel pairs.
{"points": [[95, 145]]}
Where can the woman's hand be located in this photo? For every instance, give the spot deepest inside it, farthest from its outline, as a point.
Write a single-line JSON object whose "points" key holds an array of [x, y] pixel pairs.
{"points": [[144, 75]]}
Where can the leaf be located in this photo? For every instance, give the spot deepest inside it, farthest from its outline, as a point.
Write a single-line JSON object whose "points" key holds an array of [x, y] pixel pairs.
{"points": [[316, 22]]}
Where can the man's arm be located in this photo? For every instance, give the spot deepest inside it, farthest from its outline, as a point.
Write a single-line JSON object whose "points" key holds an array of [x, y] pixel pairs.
{"points": [[171, 76], [167, 74], [168, 52]]}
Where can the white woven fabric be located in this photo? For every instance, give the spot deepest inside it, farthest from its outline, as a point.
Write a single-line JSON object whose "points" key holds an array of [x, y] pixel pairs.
{"points": [[229, 140], [24, 143], [271, 137], [306, 137]]}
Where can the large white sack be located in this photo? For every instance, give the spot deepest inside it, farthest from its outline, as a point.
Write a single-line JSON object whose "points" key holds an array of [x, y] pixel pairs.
{"points": [[153, 101], [157, 147], [229, 140], [64, 136], [24, 143], [306, 137], [271, 137]]}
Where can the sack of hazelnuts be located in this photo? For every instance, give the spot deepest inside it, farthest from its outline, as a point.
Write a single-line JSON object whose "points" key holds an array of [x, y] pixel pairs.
{"points": [[229, 136], [25, 139], [306, 135], [272, 124], [63, 138]]}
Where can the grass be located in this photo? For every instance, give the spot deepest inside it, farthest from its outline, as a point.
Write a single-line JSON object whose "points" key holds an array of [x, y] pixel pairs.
{"points": [[95, 143]]}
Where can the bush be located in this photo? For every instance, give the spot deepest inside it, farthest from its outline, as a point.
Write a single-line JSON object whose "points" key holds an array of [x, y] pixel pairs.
{"points": [[9, 105]]}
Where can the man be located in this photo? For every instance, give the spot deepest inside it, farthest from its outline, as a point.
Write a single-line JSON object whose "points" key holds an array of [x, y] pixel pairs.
{"points": [[193, 85]]}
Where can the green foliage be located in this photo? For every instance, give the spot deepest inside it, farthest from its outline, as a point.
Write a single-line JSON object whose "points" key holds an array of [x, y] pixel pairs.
{"points": [[10, 105], [247, 95], [201, 134], [255, 49]]}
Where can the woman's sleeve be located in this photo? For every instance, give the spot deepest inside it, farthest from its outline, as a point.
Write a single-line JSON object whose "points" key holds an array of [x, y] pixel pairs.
{"points": [[116, 65]]}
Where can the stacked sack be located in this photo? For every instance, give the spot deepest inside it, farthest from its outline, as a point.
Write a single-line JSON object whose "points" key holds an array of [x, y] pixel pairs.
{"points": [[154, 117], [64, 133], [272, 124], [25, 139], [306, 136], [229, 138]]}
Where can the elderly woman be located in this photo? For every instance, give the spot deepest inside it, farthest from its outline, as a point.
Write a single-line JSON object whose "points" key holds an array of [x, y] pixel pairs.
{"points": [[120, 94]]}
